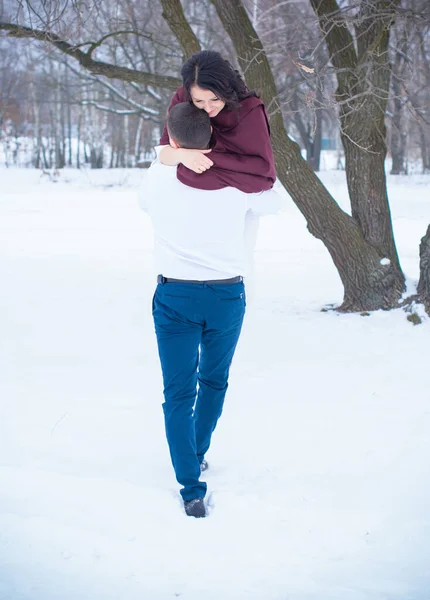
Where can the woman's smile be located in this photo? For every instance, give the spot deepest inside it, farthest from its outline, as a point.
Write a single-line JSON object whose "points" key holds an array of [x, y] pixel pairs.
{"points": [[206, 100]]}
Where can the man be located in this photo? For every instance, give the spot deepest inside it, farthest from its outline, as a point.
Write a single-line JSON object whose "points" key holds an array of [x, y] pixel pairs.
{"points": [[199, 303]]}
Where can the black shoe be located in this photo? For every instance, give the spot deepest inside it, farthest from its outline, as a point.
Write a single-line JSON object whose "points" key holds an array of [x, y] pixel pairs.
{"points": [[195, 508], [204, 466]]}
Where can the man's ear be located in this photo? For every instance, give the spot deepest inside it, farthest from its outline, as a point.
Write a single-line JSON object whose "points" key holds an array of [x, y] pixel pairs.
{"points": [[173, 143]]}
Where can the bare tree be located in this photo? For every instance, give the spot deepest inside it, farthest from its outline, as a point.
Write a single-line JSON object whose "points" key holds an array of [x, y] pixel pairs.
{"points": [[357, 38], [424, 281], [398, 120], [371, 278]]}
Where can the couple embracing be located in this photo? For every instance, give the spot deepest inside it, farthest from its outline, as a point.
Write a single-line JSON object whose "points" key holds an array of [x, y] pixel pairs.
{"points": [[214, 169]]}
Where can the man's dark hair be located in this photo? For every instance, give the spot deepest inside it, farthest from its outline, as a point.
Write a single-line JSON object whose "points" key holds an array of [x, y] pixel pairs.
{"points": [[189, 126]]}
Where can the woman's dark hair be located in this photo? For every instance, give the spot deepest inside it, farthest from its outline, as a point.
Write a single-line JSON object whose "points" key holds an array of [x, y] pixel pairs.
{"points": [[210, 71], [189, 126]]}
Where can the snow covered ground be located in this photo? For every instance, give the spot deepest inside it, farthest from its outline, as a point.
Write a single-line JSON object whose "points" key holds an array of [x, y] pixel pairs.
{"points": [[319, 476]]}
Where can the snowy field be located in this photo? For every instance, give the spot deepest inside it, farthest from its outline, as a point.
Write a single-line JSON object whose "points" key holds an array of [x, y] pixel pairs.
{"points": [[319, 481]]}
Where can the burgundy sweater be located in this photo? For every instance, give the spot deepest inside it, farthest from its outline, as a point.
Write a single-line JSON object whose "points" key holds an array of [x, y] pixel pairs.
{"points": [[241, 150]]}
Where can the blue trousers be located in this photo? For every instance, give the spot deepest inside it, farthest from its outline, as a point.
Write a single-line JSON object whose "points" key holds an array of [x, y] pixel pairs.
{"points": [[197, 328]]}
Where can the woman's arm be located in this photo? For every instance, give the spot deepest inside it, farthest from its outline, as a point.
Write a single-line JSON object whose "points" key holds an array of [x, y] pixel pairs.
{"points": [[242, 158], [195, 160], [170, 156]]}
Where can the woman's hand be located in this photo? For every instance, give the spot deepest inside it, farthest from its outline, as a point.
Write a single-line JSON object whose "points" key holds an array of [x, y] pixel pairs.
{"points": [[195, 160]]}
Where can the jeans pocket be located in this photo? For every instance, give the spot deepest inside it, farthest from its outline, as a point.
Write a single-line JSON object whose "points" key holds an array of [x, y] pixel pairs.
{"points": [[241, 296], [176, 296], [239, 300]]}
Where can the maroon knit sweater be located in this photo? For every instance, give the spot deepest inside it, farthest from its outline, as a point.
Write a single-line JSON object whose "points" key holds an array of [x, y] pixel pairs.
{"points": [[241, 150]]}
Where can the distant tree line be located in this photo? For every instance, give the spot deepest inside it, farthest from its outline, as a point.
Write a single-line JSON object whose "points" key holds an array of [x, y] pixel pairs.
{"points": [[53, 113], [101, 74]]}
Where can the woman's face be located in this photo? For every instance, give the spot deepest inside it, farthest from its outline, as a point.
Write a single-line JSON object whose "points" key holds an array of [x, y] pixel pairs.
{"points": [[206, 100]]}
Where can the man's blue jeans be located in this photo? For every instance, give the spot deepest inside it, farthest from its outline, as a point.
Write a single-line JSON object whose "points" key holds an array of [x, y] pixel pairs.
{"points": [[197, 328]]}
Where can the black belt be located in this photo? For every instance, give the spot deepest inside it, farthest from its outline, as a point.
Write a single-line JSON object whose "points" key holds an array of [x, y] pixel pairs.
{"points": [[238, 279]]}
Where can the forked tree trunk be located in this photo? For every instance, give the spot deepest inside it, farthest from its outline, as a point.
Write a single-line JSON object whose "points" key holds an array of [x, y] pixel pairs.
{"points": [[363, 75], [173, 13], [369, 284], [424, 281], [358, 244]]}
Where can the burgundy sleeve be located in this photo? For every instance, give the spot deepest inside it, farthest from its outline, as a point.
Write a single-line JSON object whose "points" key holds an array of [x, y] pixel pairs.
{"points": [[250, 151], [178, 97], [244, 159], [216, 179]]}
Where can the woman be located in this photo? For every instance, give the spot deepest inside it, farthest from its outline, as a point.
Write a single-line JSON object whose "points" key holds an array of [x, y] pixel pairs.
{"points": [[241, 155]]}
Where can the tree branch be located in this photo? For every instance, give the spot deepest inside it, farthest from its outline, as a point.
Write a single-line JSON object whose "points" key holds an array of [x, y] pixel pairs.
{"points": [[115, 111], [339, 40], [250, 52], [94, 45], [84, 59], [173, 14], [137, 107]]}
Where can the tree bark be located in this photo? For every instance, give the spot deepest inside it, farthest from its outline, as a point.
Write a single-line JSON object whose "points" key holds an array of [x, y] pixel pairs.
{"points": [[398, 135], [37, 133], [316, 139], [311, 139], [363, 77], [425, 149], [173, 14], [398, 141], [424, 281], [398, 132], [368, 283], [137, 141]]}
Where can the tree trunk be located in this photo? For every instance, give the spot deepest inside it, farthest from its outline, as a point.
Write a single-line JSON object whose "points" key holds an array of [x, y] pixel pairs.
{"points": [[425, 151], [398, 134], [369, 284], [137, 141], [363, 87], [424, 281], [59, 129], [37, 162], [63, 127], [173, 13], [69, 116], [317, 129], [398, 137], [45, 158], [316, 142], [78, 142], [311, 137], [126, 127], [367, 188]]}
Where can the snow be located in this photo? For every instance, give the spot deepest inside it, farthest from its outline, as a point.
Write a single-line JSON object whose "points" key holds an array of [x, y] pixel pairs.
{"points": [[318, 479]]}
